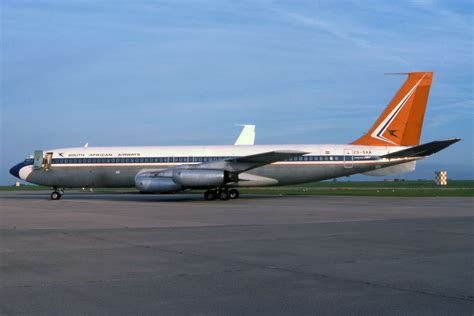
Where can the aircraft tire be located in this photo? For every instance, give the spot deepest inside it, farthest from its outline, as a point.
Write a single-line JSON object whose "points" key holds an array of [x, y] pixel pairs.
{"points": [[224, 195], [210, 195], [233, 194], [55, 196]]}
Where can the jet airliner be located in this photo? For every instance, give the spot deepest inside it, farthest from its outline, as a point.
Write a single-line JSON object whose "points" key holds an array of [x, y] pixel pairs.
{"points": [[391, 146]]}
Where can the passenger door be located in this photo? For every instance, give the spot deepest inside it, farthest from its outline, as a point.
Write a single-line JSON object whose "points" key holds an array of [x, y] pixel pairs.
{"points": [[38, 159], [48, 158]]}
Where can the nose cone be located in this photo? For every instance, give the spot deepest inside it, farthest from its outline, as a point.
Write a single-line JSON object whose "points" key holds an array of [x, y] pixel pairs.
{"points": [[15, 170]]}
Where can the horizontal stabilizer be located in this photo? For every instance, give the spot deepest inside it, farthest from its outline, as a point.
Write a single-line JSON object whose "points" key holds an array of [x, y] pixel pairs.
{"points": [[422, 150]]}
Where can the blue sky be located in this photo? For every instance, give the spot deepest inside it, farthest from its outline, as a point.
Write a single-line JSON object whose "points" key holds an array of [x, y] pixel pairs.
{"points": [[186, 72]]}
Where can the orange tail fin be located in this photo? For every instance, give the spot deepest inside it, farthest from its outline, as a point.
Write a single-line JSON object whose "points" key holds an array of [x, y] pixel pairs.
{"points": [[401, 122]]}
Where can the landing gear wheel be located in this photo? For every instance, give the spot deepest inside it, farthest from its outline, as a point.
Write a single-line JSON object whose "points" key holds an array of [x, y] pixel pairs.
{"points": [[233, 194], [224, 195], [210, 195], [55, 196]]}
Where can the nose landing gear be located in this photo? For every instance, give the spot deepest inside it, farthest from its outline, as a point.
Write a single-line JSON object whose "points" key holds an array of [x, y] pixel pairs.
{"points": [[222, 194], [57, 194]]}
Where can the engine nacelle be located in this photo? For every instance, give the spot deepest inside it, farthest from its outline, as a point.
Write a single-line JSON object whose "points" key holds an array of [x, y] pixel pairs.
{"points": [[199, 178], [150, 184]]}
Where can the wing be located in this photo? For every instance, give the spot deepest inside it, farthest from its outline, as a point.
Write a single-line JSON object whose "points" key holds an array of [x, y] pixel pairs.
{"points": [[244, 163], [234, 165], [268, 157], [422, 150]]}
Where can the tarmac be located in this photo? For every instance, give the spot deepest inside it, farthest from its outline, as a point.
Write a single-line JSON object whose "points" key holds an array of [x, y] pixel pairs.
{"points": [[122, 254]]}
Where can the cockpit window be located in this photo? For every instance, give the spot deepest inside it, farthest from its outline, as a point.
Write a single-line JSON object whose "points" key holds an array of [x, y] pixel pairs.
{"points": [[28, 160]]}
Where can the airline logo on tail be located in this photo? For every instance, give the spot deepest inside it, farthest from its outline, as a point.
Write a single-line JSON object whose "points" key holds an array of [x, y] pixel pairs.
{"points": [[379, 132], [401, 122]]}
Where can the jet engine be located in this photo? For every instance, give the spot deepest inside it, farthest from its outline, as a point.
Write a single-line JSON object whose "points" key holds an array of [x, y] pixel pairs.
{"points": [[199, 178], [149, 184]]}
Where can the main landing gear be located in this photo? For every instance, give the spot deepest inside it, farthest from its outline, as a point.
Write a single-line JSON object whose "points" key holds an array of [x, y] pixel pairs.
{"points": [[57, 194], [221, 194]]}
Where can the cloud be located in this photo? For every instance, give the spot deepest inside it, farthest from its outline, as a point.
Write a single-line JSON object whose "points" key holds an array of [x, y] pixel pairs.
{"points": [[327, 27]]}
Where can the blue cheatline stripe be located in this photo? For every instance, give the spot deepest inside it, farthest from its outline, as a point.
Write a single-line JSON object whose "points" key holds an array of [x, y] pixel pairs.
{"points": [[153, 160]]}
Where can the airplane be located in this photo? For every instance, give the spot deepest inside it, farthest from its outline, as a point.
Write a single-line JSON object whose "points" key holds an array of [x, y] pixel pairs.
{"points": [[391, 146]]}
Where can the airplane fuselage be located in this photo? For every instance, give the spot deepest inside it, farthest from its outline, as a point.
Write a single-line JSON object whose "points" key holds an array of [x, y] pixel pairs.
{"points": [[118, 166]]}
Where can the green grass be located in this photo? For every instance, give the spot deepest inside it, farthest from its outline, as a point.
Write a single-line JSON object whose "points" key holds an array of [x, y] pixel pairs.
{"points": [[379, 188], [23, 188]]}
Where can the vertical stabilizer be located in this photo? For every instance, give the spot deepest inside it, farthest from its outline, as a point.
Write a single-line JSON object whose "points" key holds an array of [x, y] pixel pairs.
{"points": [[401, 122], [247, 136]]}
